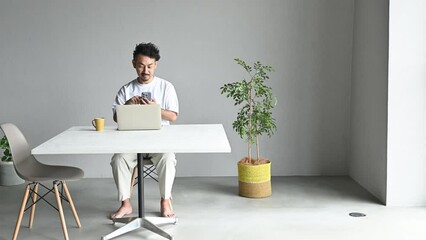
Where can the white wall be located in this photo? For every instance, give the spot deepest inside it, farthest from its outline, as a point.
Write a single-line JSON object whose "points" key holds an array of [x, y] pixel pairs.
{"points": [[406, 168], [388, 101], [62, 62], [367, 158]]}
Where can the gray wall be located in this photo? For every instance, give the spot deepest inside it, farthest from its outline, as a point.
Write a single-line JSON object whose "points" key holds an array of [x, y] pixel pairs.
{"points": [[62, 62], [368, 141]]}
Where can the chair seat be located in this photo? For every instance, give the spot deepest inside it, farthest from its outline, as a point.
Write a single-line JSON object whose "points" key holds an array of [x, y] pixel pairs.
{"points": [[36, 171]]}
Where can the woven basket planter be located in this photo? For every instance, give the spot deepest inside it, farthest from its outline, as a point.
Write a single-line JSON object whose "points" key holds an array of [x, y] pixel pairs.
{"points": [[254, 181]]}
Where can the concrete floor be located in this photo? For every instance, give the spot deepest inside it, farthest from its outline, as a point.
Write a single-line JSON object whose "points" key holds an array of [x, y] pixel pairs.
{"points": [[209, 208]]}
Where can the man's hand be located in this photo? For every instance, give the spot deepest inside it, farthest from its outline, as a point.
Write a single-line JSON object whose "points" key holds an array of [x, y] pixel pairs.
{"points": [[147, 101], [134, 100], [140, 100]]}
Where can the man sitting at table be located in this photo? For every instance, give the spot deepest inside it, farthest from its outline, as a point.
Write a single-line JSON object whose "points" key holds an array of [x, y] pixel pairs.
{"points": [[145, 58]]}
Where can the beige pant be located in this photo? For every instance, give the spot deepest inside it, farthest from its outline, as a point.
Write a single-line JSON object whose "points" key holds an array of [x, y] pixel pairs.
{"points": [[122, 169]]}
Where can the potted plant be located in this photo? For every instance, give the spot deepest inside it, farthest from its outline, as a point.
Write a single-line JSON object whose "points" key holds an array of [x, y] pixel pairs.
{"points": [[8, 174], [253, 119]]}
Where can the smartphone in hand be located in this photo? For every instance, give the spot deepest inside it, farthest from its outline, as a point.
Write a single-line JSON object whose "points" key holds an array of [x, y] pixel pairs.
{"points": [[146, 95]]}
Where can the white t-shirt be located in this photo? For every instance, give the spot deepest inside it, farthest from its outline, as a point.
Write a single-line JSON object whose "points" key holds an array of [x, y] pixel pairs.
{"points": [[161, 90]]}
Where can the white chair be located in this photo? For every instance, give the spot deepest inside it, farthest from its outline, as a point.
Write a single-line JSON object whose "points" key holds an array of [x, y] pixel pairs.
{"points": [[149, 171], [28, 168]]}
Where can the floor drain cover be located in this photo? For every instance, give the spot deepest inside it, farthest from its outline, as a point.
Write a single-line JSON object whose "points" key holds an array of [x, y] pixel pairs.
{"points": [[357, 214]]}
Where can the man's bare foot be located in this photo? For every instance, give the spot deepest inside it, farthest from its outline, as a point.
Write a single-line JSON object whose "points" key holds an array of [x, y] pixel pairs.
{"points": [[126, 208], [166, 209]]}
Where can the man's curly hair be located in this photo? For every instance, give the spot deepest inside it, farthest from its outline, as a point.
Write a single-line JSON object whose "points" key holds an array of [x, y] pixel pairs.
{"points": [[147, 49]]}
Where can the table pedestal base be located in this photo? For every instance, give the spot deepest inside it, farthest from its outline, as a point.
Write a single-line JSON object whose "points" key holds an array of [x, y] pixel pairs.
{"points": [[134, 223]]}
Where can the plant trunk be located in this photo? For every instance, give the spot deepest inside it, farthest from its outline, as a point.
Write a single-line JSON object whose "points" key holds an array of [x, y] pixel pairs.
{"points": [[257, 148], [250, 114], [249, 153]]}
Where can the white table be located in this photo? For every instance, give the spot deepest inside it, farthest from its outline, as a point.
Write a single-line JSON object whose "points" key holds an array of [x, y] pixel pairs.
{"points": [[191, 138]]}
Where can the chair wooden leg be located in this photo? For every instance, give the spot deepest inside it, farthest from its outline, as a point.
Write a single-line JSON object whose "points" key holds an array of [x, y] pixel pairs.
{"points": [[60, 210], [135, 171], [21, 212], [35, 190], [74, 212]]}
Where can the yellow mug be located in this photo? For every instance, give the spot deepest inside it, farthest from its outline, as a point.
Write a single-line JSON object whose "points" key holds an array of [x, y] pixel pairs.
{"points": [[98, 123]]}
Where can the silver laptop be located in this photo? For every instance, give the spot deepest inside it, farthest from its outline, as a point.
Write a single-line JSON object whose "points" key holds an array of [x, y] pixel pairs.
{"points": [[138, 117]]}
